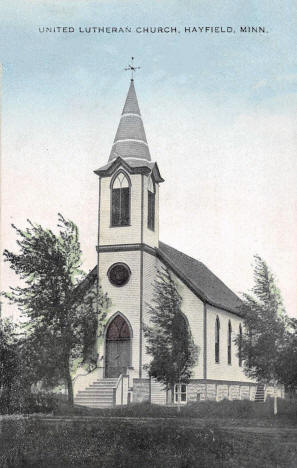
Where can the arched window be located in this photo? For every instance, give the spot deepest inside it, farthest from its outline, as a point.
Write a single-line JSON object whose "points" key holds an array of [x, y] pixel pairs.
{"points": [[120, 201], [217, 340], [151, 204], [240, 346], [229, 341]]}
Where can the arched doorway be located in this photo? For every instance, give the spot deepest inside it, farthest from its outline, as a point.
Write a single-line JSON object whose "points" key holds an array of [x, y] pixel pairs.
{"points": [[118, 347]]}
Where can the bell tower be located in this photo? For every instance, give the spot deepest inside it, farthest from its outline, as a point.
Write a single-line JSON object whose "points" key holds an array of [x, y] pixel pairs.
{"points": [[129, 184], [128, 226]]}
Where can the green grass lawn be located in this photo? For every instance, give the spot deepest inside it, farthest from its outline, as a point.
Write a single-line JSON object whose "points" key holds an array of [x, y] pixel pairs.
{"points": [[204, 434], [120, 443]]}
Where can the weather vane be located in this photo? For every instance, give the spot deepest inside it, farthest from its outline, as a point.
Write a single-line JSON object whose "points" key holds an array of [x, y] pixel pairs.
{"points": [[132, 68]]}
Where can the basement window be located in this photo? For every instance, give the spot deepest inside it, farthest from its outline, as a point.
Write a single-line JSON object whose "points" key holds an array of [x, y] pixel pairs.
{"points": [[180, 393]]}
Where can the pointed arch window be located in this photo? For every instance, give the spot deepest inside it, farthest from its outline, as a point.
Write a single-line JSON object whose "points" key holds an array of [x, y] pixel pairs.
{"points": [[120, 200], [240, 346], [229, 342], [151, 205], [217, 340], [118, 329]]}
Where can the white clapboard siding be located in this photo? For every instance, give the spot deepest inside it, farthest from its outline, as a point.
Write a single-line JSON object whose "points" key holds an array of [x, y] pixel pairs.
{"points": [[158, 394]]}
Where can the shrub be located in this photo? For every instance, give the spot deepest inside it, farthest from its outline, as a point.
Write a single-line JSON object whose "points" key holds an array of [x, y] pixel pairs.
{"points": [[236, 410], [28, 403]]}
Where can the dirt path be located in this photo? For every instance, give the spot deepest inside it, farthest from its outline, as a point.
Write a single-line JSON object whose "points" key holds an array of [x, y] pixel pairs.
{"points": [[280, 432]]}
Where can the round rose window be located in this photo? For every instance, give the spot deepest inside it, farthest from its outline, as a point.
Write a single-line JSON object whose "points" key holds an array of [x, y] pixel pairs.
{"points": [[119, 274]]}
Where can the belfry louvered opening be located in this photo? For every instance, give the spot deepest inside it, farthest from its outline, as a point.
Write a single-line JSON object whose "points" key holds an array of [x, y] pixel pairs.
{"points": [[120, 201]]}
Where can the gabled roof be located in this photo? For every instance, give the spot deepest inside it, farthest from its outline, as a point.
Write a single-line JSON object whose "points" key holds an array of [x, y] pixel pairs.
{"points": [[199, 279], [87, 282], [130, 140]]}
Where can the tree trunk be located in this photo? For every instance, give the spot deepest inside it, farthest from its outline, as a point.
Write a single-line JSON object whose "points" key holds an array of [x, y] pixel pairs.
{"points": [[172, 394], [69, 388], [68, 380]]}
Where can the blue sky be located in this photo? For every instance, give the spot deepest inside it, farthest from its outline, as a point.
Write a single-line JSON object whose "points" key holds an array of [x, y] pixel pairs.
{"points": [[219, 112]]}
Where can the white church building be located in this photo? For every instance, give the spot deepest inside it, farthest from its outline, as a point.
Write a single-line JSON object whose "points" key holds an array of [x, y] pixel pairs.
{"points": [[129, 254]]}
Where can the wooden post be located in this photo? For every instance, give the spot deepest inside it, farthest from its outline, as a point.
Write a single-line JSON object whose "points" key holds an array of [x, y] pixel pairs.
{"points": [[274, 400]]}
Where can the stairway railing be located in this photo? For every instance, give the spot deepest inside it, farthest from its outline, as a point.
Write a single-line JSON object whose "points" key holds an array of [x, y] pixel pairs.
{"points": [[120, 391]]}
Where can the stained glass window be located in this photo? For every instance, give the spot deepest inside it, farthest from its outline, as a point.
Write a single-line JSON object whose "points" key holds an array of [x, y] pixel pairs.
{"points": [[118, 329], [229, 341], [119, 274], [151, 205], [240, 346], [217, 340]]}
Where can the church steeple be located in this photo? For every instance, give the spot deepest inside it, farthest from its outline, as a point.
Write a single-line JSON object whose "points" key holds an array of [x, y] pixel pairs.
{"points": [[129, 184], [130, 140]]}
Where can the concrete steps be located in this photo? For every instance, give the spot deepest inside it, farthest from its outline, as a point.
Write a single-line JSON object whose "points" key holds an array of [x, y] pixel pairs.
{"points": [[260, 393], [97, 395]]}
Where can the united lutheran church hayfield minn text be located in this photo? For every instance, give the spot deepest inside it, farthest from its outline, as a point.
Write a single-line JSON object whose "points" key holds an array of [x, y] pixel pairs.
{"points": [[153, 29]]}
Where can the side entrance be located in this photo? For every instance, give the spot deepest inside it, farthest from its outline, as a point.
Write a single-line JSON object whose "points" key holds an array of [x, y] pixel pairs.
{"points": [[117, 347]]}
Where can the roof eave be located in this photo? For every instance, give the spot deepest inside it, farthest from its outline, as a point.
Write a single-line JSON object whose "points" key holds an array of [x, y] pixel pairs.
{"points": [[201, 295], [132, 170], [87, 282], [157, 175], [92, 276]]}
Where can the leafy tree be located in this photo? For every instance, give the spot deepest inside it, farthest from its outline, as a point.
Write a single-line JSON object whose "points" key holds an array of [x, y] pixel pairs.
{"points": [[287, 362], [264, 320], [62, 311], [169, 340], [8, 359]]}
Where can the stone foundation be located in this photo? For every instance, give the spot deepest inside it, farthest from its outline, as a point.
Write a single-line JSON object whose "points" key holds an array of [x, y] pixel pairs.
{"points": [[141, 390], [196, 391], [200, 390]]}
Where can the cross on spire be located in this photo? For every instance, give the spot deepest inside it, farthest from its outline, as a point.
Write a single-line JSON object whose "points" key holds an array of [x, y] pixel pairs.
{"points": [[132, 68]]}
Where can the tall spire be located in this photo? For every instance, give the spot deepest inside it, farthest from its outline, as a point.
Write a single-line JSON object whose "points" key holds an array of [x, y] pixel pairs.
{"points": [[130, 140]]}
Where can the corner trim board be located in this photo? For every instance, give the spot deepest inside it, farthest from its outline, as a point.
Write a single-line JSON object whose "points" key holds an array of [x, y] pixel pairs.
{"points": [[141, 314], [142, 206], [205, 340]]}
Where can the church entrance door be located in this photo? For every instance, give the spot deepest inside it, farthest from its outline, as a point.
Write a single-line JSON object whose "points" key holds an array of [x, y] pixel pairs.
{"points": [[118, 347]]}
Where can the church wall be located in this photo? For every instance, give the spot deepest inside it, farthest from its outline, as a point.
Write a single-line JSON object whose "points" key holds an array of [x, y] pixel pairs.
{"points": [[150, 237], [223, 370], [124, 234], [150, 265], [124, 299]]}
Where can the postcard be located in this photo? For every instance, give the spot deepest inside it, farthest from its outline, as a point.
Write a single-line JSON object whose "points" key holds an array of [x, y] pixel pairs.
{"points": [[161, 138]]}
